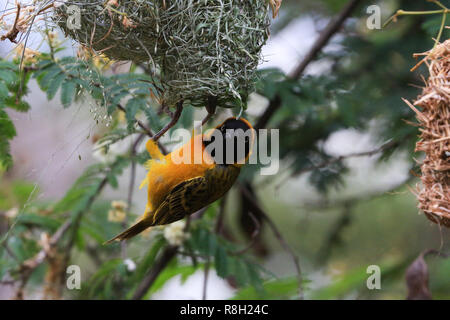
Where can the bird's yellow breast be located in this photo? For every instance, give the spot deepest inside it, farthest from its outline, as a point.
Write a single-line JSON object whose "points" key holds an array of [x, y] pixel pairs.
{"points": [[165, 173]]}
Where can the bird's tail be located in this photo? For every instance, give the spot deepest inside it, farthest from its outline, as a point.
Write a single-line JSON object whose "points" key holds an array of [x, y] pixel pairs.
{"points": [[132, 231]]}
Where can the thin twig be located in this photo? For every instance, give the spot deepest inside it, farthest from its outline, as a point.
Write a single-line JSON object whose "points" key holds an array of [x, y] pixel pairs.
{"points": [[10, 252], [205, 278], [324, 38], [388, 145], [29, 265], [257, 208], [77, 220], [211, 107], [173, 121], [34, 262], [207, 118], [254, 235], [436, 253], [324, 204], [413, 13], [12, 34], [334, 234], [220, 217], [123, 244], [146, 129]]}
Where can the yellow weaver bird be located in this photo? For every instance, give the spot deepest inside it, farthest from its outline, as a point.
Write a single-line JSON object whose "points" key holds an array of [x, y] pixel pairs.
{"points": [[176, 190]]}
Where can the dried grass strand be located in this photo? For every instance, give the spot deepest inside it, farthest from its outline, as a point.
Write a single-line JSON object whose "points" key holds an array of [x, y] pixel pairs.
{"points": [[433, 192]]}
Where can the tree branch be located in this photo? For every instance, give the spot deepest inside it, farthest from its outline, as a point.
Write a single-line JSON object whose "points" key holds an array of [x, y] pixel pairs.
{"points": [[219, 223], [168, 254], [76, 221], [205, 278], [334, 234], [146, 129], [254, 234], [123, 244], [386, 146], [12, 34], [175, 118], [29, 265], [331, 29], [33, 263]]}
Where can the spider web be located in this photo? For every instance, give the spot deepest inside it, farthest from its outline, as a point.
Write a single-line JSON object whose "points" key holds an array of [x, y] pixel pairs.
{"points": [[34, 38]]}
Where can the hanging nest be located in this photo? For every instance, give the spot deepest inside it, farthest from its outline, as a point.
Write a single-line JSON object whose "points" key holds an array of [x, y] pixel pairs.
{"points": [[199, 48], [434, 119]]}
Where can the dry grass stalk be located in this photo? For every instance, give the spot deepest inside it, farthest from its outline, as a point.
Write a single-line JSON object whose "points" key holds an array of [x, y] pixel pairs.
{"points": [[434, 118]]}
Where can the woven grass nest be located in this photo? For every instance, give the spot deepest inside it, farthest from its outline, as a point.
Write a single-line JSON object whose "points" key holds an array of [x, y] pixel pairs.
{"points": [[434, 119], [198, 48]]}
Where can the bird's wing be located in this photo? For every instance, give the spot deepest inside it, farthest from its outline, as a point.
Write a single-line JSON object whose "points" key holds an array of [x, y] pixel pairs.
{"points": [[184, 199]]}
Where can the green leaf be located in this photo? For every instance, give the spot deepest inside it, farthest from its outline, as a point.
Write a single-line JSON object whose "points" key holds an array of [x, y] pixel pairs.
{"points": [[169, 273], [433, 24], [221, 262], [148, 260], [23, 190], [4, 91], [7, 132], [68, 91], [20, 105], [80, 242], [273, 289], [54, 85], [132, 107], [270, 80], [187, 117], [239, 272], [92, 231], [39, 220], [7, 76], [99, 279], [5, 156], [152, 118], [114, 101], [254, 277], [48, 76], [112, 180]]}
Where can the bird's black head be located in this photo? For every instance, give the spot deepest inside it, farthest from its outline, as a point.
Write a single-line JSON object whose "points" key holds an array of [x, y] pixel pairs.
{"points": [[231, 142]]}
